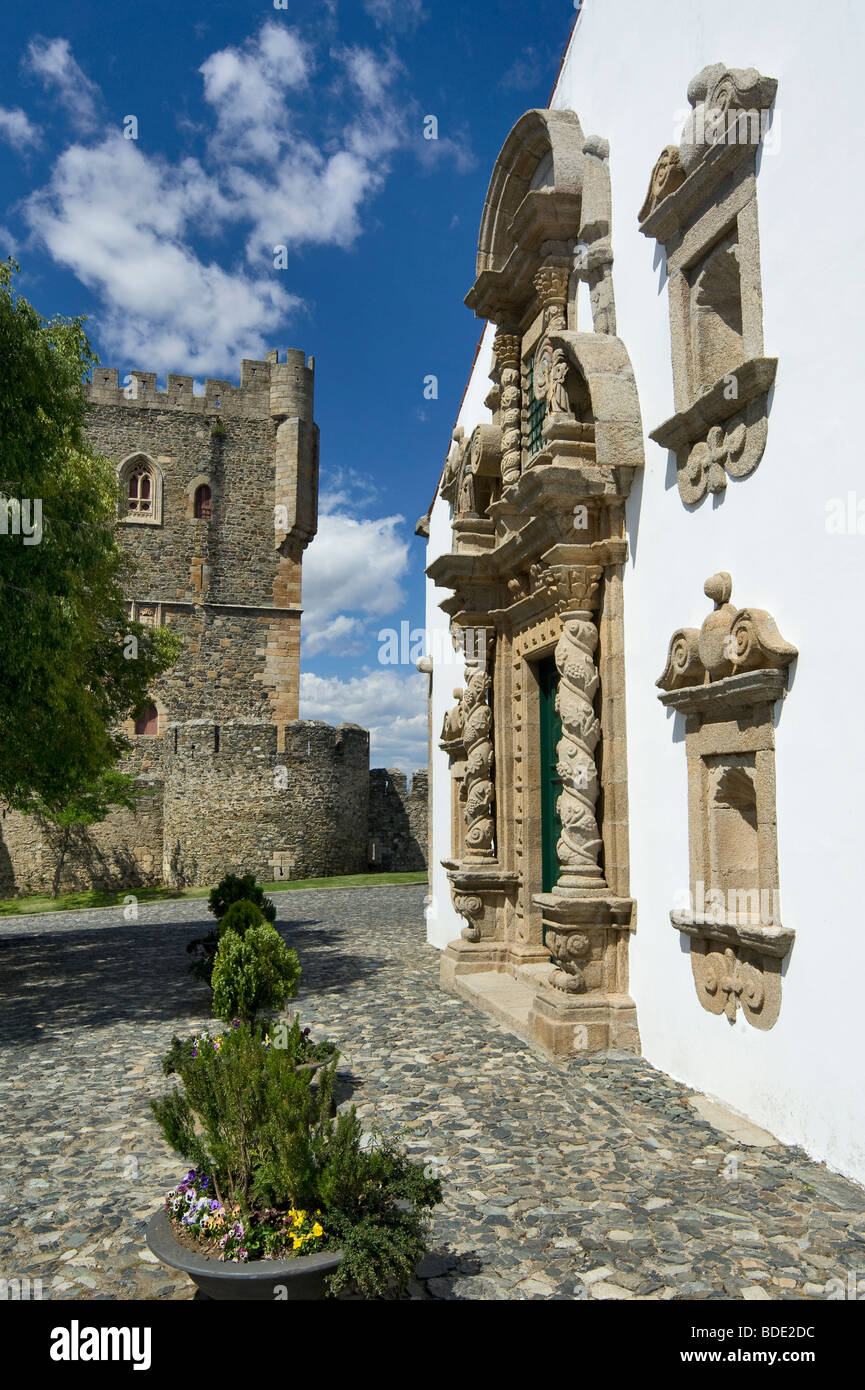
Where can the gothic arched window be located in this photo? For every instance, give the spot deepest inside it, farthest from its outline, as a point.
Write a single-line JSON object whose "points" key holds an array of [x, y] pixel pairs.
{"points": [[141, 483]]}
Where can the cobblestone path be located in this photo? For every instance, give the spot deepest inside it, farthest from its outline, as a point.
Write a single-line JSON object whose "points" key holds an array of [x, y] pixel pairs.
{"points": [[573, 1180]]}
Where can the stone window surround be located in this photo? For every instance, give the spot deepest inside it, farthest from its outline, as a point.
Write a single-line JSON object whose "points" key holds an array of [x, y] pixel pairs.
{"points": [[701, 204], [200, 480], [725, 679], [124, 470]]}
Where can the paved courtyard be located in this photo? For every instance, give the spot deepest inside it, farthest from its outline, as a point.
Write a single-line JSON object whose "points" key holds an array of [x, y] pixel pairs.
{"points": [[581, 1179]]}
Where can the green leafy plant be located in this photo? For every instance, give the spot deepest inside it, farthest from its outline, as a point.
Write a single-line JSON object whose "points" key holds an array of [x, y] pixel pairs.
{"points": [[253, 975], [240, 917], [235, 888], [282, 1170]]}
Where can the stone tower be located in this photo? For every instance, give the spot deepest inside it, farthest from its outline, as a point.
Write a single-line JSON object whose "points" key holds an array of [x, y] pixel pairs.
{"points": [[219, 500]]}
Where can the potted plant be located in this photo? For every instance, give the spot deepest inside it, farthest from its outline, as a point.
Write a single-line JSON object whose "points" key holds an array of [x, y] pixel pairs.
{"points": [[283, 1200]]}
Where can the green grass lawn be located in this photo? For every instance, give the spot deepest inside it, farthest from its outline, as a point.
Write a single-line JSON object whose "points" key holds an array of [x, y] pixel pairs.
{"points": [[71, 902]]}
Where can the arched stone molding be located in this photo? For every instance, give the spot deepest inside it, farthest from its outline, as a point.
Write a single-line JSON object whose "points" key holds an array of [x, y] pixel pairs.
{"points": [[130, 465], [541, 161]]}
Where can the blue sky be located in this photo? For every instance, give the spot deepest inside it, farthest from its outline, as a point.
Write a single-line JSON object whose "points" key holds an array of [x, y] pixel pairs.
{"points": [[301, 127]]}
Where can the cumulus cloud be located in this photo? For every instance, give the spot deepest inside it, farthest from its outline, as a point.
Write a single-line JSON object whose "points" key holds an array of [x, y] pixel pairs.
{"points": [[52, 61], [392, 706], [118, 219], [126, 220], [353, 566], [17, 128], [247, 88], [341, 634]]}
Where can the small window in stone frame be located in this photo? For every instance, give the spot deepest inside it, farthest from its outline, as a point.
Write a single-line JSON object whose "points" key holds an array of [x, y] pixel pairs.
{"points": [[147, 723], [203, 506]]}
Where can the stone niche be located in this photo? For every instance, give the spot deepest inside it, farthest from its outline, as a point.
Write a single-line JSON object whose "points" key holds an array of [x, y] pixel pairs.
{"points": [[726, 678], [539, 863], [702, 208]]}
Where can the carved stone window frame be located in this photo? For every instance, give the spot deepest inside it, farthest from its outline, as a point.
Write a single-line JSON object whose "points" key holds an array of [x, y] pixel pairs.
{"points": [[726, 679], [125, 470], [702, 206]]}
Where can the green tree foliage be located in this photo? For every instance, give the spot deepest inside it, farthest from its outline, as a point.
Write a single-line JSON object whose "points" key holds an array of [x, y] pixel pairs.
{"points": [[253, 975], [66, 677], [235, 888]]}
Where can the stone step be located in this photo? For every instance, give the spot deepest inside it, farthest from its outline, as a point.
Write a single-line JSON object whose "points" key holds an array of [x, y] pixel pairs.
{"points": [[500, 995]]}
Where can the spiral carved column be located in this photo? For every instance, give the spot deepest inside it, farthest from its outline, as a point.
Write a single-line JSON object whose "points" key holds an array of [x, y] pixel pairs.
{"points": [[580, 842], [477, 736], [506, 347]]}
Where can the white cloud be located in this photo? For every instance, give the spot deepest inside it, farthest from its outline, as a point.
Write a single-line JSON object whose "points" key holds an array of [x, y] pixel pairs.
{"points": [[395, 14], [124, 220], [8, 244], [391, 706], [247, 88], [340, 635], [370, 75], [118, 218], [51, 60], [353, 566], [17, 128], [346, 488]]}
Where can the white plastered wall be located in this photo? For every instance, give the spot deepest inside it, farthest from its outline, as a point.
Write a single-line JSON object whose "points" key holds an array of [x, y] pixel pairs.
{"points": [[626, 76]]}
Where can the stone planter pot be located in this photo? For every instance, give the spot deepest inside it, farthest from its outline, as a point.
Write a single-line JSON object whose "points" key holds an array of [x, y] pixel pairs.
{"points": [[302, 1278]]}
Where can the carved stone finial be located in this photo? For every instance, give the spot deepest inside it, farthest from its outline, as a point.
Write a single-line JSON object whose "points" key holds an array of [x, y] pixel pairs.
{"points": [[729, 642]]}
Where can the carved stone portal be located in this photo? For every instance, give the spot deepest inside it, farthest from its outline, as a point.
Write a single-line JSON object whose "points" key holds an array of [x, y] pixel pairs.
{"points": [[725, 678], [538, 565]]}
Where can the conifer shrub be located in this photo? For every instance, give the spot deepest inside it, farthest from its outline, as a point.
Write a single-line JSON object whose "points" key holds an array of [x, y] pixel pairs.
{"points": [[276, 1175], [254, 975], [240, 917], [231, 889], [234, 888]]}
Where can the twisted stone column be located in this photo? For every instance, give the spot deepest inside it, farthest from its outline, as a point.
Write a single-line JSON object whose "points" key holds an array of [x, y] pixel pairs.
{"points": [[477, 736], [580, 842], [506, 347]]}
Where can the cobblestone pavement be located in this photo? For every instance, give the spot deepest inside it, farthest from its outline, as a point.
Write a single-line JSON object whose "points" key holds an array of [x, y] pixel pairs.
{"points": [[581, 1179]]}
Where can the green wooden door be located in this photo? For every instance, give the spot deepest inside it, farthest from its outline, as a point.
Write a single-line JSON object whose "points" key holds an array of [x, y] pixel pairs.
{"points": [[551, 782]]}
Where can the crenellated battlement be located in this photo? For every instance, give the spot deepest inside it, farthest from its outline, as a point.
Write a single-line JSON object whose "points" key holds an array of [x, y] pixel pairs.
{"points": [[268, 390]]}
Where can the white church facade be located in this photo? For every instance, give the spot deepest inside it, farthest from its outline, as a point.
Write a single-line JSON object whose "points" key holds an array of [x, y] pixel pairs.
{"points": [[647, 542]]}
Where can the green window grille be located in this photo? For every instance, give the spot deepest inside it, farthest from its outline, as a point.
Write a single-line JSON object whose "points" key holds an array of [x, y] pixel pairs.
{"points": [[537, 411]]}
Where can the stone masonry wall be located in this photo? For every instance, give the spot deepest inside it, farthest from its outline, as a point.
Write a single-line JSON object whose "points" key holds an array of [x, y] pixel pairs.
{"points": [[236, 802], [397, 820], [125, 851]]}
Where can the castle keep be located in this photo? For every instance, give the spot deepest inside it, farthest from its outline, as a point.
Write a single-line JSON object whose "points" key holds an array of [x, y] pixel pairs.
{"points": [[218, 501]]}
